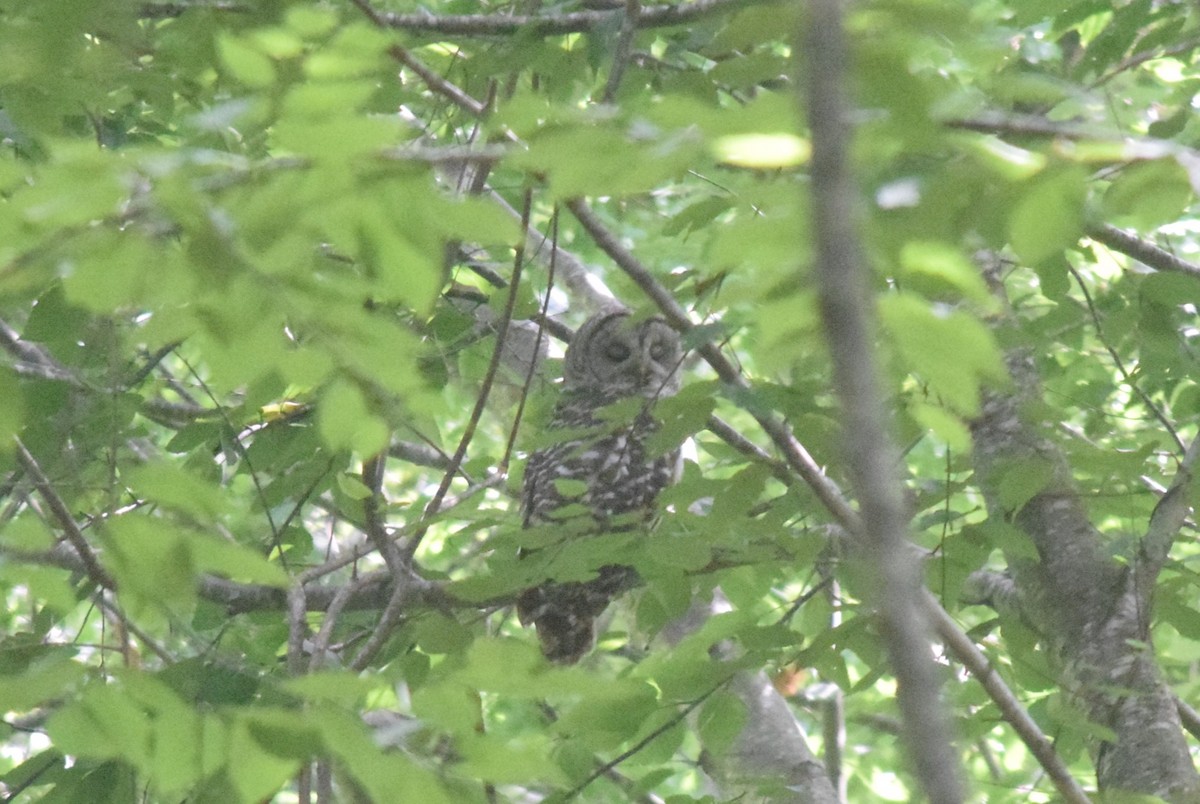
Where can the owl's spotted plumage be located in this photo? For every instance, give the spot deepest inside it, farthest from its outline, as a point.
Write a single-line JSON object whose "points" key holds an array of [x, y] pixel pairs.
{"points": [[600, 477]]}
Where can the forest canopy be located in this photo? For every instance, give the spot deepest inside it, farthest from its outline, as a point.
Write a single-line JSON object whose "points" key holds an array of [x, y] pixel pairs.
{"points": [[285, 289]]}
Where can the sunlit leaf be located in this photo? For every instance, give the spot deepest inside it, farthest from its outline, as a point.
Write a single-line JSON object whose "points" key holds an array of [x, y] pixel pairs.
{"points": [[762, 150], [1049, 218], [949, 349], [345, 422]]}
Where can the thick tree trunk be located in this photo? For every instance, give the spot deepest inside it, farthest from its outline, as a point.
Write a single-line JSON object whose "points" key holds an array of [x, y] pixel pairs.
{"points": [[1091, 610]]}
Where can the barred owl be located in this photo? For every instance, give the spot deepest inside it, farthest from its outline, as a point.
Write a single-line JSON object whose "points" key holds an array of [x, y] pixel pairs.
{"points": [[601, 477]]}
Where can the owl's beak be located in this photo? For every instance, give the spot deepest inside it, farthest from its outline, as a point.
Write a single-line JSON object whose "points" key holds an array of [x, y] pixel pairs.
{"points": [[645, 369]]}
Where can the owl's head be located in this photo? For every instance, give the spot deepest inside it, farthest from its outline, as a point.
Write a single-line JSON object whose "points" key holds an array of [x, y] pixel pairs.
{"points": [[613, 352]]}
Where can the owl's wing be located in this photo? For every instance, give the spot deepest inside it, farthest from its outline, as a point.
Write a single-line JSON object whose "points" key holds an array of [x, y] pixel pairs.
{"points": [[535, 469]]}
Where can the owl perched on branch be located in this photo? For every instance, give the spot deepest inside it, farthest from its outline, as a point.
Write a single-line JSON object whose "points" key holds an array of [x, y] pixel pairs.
{"points": [[601, 477]]}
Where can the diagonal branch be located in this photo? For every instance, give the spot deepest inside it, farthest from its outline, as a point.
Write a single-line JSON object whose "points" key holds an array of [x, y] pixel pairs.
{"points": [[1166, 521], [66, 520], [972, 658], [435, 504], [1142, 250], [1120, 364], [795, 454]]}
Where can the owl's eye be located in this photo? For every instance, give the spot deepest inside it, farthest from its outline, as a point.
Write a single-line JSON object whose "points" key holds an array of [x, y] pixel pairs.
{"points": [[659, 351], [617, 352]]}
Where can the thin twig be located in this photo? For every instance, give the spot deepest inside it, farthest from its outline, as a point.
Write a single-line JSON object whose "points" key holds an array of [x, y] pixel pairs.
{"points": [[731, 436], [410, 548], [244, 456], [1180, 48], [320, 643], [297, 609], [388, 620], [133, 628], [1166, 521], [679, 717], [537, 347], [372, 478], [156, 11], [1116, 358], [1189, 717], [434, 81]]}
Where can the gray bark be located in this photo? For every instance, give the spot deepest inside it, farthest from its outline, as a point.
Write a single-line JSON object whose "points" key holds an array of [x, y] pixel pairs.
{"points": [[1091, 610], [770, 760]]}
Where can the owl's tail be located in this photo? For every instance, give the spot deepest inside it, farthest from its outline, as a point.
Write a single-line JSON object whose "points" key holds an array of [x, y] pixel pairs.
{"points": [[565, 636], [565, 616], [565, 613]]}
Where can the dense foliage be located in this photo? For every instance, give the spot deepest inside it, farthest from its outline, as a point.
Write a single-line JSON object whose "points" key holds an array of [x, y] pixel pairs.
{"points": [[260, 455]]}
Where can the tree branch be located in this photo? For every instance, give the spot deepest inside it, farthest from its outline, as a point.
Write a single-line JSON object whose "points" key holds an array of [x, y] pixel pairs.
{"points": [[1010, 708], [1091, 609], [658, 16], [623, 50], [1144, 251], [87, 558], [846, 303], [1165, 523], [1120, 364]]}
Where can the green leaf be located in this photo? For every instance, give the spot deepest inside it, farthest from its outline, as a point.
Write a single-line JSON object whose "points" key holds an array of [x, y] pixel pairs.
{"points": [[384, 776], [105, 723], [1018, 482], [941, 264], [346, 423], [246, 62], [449, 705], [1048, 218], [1005, 159], [437, 633], [27, 532], [353, 487], [720, 721], [952, 351], [47, 677], [1147, 195], [762, 151], [235, 561], [510, 761], [682, 415], [12, 412], [334, 686], [945, 425], [48, 585], [1170, 289], [612, 715], [173, 487], [254, 769], [151, 562]]}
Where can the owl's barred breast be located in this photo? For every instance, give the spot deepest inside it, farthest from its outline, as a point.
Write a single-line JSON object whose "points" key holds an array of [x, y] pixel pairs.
{"points": [[618, 474], [601, 475]]}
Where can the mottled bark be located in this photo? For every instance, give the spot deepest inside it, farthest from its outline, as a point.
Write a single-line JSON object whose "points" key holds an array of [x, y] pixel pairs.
{"points": [[1091, 609], [770, 760]]}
